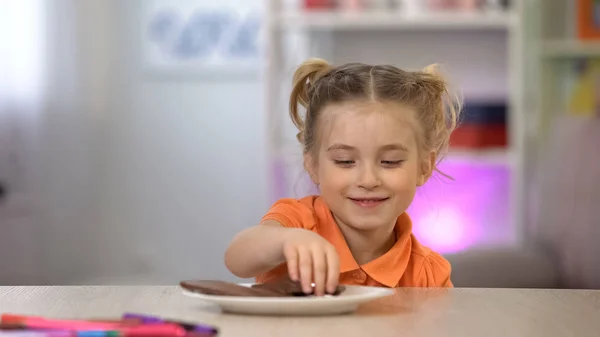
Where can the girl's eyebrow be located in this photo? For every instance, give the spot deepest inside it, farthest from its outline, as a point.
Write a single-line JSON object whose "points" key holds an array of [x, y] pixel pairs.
{"points": [[388, 147], [398, 146], [340, 147]]}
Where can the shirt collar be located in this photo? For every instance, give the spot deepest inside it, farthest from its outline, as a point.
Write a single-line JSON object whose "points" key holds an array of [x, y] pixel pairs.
{"points": [[386, 269], [389, 268], [332, 233]]}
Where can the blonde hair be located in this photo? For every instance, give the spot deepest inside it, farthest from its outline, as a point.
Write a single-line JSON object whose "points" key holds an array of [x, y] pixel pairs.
{"points": [[316, 83]]}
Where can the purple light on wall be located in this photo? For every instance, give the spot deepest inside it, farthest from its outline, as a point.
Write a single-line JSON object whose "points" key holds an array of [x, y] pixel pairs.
{"points": [[453, 215], [444, 230], [278, 178]]}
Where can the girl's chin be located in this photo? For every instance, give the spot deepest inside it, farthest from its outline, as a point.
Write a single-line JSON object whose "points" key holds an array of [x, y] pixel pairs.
{"points": [[366, 224]]}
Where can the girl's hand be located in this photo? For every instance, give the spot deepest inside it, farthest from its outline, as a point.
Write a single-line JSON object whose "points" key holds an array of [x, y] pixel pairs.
{"points": [[310, 258]]}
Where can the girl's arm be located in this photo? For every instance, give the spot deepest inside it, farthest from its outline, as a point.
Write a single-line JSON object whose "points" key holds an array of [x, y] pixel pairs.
{"points": [[309, 257], [257, 250]]}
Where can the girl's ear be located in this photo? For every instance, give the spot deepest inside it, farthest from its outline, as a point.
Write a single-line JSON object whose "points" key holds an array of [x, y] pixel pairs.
{"points": [[310, 167], [426, 169]]}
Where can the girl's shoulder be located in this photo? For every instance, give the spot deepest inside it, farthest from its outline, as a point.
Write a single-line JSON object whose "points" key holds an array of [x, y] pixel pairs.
{"points": [[298, 213], [310, 201], [427, 267]]}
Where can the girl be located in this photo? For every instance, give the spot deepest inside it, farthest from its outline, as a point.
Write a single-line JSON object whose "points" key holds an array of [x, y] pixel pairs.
{"points": [[371, 135]]}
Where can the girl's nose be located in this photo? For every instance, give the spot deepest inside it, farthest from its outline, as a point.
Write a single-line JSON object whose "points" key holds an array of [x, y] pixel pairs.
{"points": [[368, 178]]}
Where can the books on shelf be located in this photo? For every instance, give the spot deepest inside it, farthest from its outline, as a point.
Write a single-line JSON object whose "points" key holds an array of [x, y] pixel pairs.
{"points": [[580, 37], [582, 88], [483, 126], [588, 19]]}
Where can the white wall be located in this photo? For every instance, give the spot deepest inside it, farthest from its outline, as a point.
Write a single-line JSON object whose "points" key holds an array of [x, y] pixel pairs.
{"points": [[186, 165]]}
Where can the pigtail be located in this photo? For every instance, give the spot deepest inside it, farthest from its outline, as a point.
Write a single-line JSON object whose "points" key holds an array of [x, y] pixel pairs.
{"points": [[444, 113], [305, 78]]}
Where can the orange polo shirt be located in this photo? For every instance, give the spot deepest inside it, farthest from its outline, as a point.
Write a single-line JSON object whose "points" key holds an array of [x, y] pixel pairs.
{"points": [[406, 264]]}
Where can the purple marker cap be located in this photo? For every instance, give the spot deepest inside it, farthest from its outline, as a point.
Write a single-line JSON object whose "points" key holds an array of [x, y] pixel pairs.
{"points": [[190, 327]]}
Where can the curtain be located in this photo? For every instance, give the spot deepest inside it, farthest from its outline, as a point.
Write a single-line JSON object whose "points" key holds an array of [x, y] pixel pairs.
{"points": [[21, 94], [22, 78], [53, 88]]}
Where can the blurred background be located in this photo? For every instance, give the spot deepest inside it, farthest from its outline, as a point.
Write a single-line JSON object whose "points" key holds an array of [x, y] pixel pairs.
{"points": [[138, 137]]}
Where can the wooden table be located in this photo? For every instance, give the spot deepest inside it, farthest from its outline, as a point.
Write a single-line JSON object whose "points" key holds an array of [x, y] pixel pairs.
{"points": [[411, 312]]}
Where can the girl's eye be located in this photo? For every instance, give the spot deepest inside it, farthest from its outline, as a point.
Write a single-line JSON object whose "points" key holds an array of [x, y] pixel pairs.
{"points": [[344, 163], [392, 162]]}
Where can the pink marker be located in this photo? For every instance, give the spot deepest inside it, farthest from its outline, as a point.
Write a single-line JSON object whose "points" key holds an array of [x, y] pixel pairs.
{"points": [[32, 322], [96, 328], [21, 333]]}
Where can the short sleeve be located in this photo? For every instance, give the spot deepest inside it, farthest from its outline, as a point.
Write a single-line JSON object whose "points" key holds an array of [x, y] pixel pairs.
{"points": [[293, 213], [435, 272]]}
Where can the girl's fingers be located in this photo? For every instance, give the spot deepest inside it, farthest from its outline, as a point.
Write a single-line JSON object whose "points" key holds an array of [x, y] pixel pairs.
{"points": [[333, 270], [306, 267], [291, 256], [320, 271]]}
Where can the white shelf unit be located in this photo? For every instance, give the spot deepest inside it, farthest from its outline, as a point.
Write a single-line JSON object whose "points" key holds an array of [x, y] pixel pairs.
{"points": [[554, 30], [293, 35], [563, 151], [569, 48], [393, 20]]}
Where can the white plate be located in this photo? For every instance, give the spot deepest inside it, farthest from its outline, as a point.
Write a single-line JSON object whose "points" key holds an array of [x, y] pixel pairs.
{"points": [[347, 302]]}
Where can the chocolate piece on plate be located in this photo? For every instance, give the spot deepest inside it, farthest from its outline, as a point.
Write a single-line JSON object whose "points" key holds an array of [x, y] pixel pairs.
{"points": [[283, 287], [286, 287], [221, 288]]}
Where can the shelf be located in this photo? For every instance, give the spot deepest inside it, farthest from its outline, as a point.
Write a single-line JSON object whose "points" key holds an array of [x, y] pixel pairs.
{"points": [[570, 48], [397, 21], [500, 156]]}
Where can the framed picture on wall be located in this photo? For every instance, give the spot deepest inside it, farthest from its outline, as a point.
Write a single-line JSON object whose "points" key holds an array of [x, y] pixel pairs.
{"points": [[202, 37]]}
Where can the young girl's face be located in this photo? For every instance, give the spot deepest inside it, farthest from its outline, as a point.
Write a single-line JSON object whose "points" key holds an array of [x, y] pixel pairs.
{"points": [[367, 162]]}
